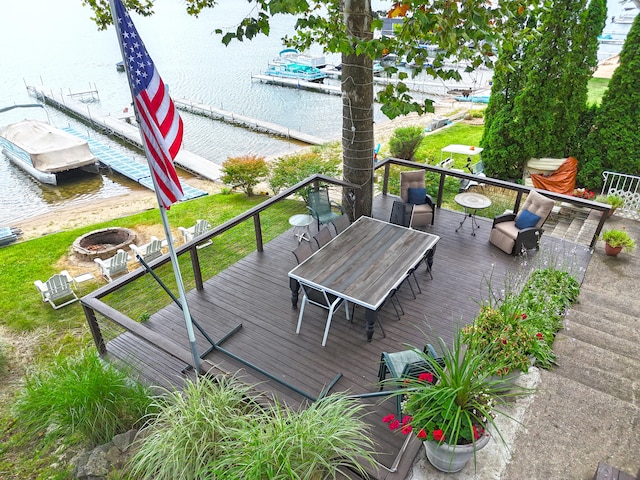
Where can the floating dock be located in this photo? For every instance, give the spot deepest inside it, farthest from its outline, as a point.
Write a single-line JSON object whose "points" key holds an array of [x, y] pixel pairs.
{"points": [[245, 121], [128, 167], [299, 84], [121, 129]]}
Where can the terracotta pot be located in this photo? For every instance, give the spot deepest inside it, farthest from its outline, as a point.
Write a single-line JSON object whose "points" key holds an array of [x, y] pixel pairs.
{"points": [[611, 251], [452, 458]]}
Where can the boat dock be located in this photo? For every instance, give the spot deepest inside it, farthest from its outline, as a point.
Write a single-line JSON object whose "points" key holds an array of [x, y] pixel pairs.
{"points": [[119, 128], [127, 166], [299, 84], [245, 121]]}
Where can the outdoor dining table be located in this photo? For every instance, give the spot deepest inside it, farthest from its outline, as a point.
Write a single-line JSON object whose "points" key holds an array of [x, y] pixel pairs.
{"points": [[364, 264]]}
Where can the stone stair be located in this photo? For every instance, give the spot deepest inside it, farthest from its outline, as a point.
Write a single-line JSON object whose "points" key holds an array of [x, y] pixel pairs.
{"points": [[575, 224]]}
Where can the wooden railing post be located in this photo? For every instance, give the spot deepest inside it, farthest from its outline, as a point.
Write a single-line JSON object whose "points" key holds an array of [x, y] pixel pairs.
{"points": [[258, 228], [92, 320], [385, 181]]}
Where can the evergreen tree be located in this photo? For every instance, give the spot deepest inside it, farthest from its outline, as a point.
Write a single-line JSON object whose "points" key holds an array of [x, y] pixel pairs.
{"points": [[614, 140]]}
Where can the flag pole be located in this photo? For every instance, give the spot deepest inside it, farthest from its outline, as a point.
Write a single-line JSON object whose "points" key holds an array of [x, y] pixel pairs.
{"points": [[163, 213]]}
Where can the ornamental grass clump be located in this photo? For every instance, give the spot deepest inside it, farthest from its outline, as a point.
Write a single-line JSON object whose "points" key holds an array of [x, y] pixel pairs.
{"points": [[81, 395]]}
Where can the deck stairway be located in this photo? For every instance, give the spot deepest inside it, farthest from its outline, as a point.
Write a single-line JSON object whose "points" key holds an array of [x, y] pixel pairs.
{"points": [[574, 224]]}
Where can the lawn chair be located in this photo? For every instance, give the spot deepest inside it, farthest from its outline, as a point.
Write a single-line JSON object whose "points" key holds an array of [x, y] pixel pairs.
{"points": [[58, 287], [149, 251], [321, 208], [116, 265], [200, 228], [406, 364]]}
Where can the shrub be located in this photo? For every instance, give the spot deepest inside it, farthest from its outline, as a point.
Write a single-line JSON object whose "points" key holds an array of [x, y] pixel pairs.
{"points": [[81, 395], [244, 172], [404, 142], [214, 429], [289, 170], [193, 429]]}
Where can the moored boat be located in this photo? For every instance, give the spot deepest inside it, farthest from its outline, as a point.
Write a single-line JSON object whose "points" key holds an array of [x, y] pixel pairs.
{"points": [[44, 151], [296, 71]]}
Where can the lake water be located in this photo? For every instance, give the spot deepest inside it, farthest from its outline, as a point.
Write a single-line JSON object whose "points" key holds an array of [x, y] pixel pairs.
{"points": [[57, 45]]}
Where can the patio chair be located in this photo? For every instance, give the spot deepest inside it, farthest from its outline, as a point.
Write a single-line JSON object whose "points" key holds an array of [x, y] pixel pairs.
{"points": [[516, 233], [322, 237], [406, 364], [302, 252], [324, 300], [116, 265], [58, 287], [148, 251], [401, 213], [200, 228], [321, 208], [412, 190], [340, 224]]}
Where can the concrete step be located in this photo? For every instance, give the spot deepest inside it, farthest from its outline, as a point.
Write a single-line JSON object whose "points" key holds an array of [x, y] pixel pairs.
{"points": [[605, 300], [597, 368], [611, 326]]}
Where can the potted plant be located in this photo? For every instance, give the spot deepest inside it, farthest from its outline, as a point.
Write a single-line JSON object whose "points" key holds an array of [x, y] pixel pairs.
{"points": [[616, 201], [617, 240], [453, 415]]}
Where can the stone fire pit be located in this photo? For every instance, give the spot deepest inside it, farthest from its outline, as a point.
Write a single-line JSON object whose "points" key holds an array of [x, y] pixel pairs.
{"points": [[103, 243]]}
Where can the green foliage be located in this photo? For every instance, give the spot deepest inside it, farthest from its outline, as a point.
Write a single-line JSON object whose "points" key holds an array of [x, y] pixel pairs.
{"points": [[289, 170], [597, 88], [4, 361], [81, 395], [404, 142], [619, 238], [321, 441], [613, 142], [616, 201], [244, 172], [217, 429]]}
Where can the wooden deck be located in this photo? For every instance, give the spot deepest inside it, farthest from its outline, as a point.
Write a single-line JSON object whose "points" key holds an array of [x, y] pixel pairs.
{"points": [[255, 293]]}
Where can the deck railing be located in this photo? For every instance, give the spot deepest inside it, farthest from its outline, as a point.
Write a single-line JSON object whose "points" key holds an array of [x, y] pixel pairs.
{"points": [[99, 311], [627, 187]]}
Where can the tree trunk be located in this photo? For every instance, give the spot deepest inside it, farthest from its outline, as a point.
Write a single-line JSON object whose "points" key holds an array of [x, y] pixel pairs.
{"points": [[357, 112]]}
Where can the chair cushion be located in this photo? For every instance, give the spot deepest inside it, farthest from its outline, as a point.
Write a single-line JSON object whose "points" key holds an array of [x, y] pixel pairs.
{"points": [[526, 219], [417, 196]]}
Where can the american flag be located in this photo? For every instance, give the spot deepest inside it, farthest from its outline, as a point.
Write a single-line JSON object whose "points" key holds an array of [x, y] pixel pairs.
{"points": [[161, 126]]}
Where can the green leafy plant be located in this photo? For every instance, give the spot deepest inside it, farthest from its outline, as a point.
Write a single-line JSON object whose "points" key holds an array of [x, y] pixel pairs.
{"points": [[459, 406], [244, 172], [619, 238], [289, 170], [404, 142], [503, 338], [81, 395], [616, 201]]}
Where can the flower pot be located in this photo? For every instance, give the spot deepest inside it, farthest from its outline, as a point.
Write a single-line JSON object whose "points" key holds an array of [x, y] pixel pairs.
{"points": [[452, 458], [611, 251]]}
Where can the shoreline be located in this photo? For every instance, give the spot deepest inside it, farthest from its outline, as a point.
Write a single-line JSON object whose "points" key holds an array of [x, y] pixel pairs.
{"points": [[94, 211]]}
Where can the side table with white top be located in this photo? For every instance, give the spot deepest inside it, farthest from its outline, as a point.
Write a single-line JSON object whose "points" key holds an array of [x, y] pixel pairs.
{"points": [[300, 224], [471, 201]]}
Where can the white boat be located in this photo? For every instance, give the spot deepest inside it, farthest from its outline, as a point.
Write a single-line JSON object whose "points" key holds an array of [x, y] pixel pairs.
{"points": [[295, 71], [292, 55], [44, 151]]}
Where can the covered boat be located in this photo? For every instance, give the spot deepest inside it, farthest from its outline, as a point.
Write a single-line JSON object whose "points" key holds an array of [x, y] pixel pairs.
{"points": [[44, 151]]}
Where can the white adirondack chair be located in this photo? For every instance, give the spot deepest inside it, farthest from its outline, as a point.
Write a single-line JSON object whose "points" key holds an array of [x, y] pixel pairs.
{"points": [[113, 266], [200, 228], [58, 287], [148, 251]]}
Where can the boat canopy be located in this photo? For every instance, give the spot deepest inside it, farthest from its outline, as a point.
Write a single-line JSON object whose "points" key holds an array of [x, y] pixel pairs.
{"points": [[50, 149]]}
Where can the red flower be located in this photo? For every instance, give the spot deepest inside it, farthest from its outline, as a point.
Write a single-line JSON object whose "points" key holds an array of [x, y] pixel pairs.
{"points": [[426, 377], [406, 429], [422, 434], [504, 341], [394, 424], [477, 432], [438, 435], [389, 418], [539, 335], [524, 316]]}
